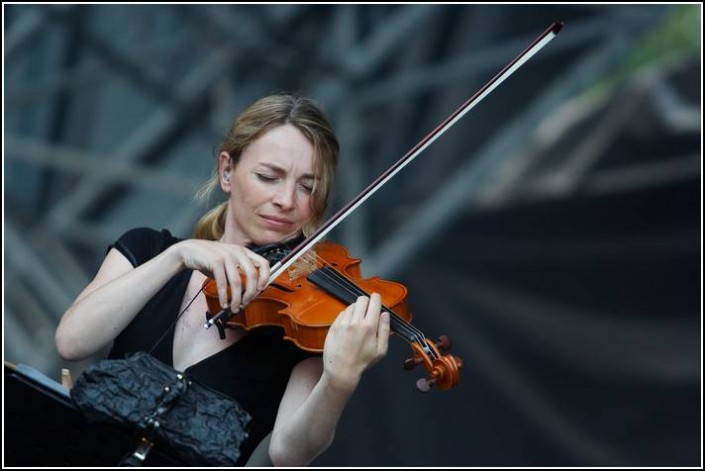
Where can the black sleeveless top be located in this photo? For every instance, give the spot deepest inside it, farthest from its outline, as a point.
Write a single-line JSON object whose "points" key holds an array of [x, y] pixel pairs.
{"points": [[254, 370]]}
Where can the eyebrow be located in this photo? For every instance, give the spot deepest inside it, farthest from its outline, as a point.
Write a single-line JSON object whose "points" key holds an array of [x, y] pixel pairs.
{"points": [[281, 171]]}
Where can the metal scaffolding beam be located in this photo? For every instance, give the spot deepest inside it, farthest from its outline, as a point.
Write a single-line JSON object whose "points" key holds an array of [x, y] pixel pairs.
{"points": [[192, 90], [474, 182], [96, 169]]}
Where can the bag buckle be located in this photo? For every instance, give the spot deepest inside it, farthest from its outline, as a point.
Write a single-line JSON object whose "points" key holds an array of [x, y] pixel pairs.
{"points": [[136, 459], [142, 449]]}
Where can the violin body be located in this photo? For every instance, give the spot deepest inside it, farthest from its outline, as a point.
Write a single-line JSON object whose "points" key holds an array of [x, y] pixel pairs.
{"points": [[303, 309], [306, 299]]}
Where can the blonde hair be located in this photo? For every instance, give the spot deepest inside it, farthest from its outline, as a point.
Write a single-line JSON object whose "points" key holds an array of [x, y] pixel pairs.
{"points": [[264, 115]]}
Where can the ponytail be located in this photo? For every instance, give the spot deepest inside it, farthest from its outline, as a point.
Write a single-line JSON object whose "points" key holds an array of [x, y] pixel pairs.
{"points": [[212, 225]]}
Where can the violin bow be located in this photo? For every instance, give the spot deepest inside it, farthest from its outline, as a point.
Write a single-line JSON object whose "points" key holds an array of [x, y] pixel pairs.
{"points": [[279, 268], [541, 41]]}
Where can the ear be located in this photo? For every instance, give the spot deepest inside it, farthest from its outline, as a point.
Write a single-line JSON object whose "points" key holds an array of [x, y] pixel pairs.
{"points": [[225, 170]]}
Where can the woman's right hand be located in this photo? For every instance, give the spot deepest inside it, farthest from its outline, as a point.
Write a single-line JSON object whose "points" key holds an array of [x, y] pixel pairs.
{"points": [[224, 263]]}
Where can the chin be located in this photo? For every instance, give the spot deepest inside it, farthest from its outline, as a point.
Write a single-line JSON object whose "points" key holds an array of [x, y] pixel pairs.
{"points": [[273, 237]]}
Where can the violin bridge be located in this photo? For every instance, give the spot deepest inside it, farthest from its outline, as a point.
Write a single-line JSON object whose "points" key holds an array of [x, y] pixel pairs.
{"points": [[304, 266]]}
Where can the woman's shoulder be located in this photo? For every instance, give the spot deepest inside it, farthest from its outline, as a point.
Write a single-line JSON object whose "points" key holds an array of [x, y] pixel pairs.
{"points": [[140, 244], [148, 233]]}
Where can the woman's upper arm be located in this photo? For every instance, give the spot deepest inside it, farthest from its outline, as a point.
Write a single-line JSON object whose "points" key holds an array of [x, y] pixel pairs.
{"points": [[114, 266]]}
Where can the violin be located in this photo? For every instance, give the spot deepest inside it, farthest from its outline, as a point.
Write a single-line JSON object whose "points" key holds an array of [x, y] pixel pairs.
{"points": [[306, 299], [311, 284]]}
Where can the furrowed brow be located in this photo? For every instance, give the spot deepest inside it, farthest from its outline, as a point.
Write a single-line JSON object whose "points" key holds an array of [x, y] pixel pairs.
{"points": [[280, 171]]}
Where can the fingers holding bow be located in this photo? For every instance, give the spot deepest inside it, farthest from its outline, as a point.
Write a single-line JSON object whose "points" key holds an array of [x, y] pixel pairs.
{"points": [[244, 272]]}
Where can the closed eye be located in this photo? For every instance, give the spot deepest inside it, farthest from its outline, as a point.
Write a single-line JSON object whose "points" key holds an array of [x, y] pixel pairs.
{"points": [[266, 178], [305, 186]]}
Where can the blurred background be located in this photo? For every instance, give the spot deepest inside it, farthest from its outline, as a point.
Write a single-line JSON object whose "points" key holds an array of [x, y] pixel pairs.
{"points": [[554, 233]]}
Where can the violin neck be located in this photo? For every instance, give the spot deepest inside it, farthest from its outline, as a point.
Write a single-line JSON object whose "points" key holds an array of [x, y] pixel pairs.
{"points": [[332, 282]]}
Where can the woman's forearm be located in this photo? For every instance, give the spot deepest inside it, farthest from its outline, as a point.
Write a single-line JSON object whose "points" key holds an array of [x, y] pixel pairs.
{"points": [[311, 430], [98, 316], [318, 391]]}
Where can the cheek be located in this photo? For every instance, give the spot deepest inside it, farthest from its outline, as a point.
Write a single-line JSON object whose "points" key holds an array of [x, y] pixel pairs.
{"points": [[307, 207], [249, 194]]}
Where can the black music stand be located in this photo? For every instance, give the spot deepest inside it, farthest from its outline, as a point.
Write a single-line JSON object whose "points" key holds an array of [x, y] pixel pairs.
{"points": [[43, 428]]}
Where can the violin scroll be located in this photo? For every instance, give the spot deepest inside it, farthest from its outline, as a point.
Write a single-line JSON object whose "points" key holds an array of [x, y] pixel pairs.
{"points": [[443, 368]]}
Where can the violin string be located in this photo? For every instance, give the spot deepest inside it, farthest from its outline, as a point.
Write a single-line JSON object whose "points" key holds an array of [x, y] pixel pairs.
{"points": [[334, 276], [406, 330], [342, 281], [399, 324]]}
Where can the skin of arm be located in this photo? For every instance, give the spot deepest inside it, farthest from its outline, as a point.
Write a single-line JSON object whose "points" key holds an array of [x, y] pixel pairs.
{"points": [[319, 389], [119, 291], [111, 301]]}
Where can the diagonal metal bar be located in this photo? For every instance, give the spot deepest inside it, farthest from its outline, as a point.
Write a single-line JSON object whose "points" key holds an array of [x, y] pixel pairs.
{"points": [[97, 236], [94, 168], [194, 89], [367, 56], [334, 92], [22, 31], [470, 180], [647, 89], [119, 62], [591, 146], [20, 346], [579, 34], [540, 42], [672, 108], [215, 23], [61, 261], [416, 81], [644, 176], [26, 264]]}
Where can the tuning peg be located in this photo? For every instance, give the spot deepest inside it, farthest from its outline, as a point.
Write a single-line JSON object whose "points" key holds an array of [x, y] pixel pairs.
{"points": [[424, 385], [410, 363], [444, 343]]}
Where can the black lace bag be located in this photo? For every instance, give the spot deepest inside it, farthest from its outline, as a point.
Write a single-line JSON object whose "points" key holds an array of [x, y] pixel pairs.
{"points": [[204, 426]]}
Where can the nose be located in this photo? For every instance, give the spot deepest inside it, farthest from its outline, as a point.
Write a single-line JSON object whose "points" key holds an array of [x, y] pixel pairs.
{"points": [[285, 197]]}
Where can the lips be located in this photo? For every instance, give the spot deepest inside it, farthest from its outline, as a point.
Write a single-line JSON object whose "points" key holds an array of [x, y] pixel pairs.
{"points": [[275, 221]]}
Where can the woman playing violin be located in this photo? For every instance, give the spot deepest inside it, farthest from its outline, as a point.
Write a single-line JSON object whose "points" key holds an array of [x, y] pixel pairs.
{"points": [[276, 166]]}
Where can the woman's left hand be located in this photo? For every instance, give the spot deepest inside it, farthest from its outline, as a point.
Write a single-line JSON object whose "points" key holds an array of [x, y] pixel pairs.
{"points": [[356, 340]]}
